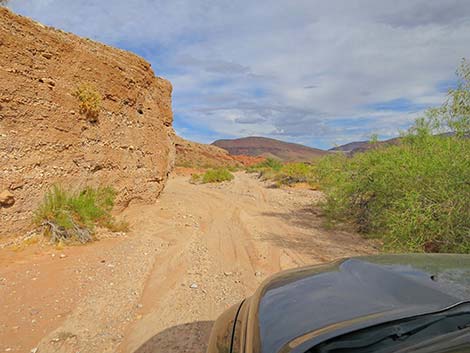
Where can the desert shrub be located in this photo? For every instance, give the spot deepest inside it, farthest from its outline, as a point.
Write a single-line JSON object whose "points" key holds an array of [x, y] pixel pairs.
{"points": [[414, 195], [266, 170], [216, 176], [195, 178], [72, 216], [285, 173], [89, 101], [298, 172], [233, 168], [269, 163]]}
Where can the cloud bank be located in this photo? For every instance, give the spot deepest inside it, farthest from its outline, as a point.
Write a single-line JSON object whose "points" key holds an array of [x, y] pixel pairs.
{"points": [[307, 71]]}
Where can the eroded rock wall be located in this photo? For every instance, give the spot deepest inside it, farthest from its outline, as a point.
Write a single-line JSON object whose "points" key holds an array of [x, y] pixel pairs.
{"points": [[44, 139]]}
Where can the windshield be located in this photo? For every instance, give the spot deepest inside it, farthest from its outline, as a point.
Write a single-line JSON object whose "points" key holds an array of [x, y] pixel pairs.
{"points": [[398, 335]]}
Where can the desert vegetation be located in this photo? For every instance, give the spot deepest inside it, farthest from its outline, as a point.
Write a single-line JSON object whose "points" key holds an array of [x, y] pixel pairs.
{"points": [[415, 196], [89, 101], [67, 216], [216, 175], [288, 174], [295, 173], [269, 163], [266, 170]]}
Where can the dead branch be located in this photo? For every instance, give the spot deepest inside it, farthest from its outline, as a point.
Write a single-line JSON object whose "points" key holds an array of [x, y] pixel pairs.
{"points": [[59, 233]]}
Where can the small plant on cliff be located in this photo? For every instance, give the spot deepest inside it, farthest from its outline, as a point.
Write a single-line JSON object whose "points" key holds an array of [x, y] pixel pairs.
{"points": [[72, 216], [89, 101]]}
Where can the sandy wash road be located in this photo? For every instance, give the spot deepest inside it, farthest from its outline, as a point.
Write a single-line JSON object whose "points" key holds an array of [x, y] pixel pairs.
{"points": [[197, 251]]}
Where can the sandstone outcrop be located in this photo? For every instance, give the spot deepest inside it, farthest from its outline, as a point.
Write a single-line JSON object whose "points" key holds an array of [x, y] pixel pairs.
{"points": [[199, 155], [45, 135]]}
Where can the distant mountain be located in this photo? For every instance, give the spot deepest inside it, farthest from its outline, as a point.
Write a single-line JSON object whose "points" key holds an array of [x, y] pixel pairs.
{"points": [[351, 146], [362, 146], [267, 147]]}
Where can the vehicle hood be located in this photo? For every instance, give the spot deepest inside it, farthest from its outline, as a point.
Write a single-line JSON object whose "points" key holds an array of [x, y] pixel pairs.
{"points": [[298, 309]]}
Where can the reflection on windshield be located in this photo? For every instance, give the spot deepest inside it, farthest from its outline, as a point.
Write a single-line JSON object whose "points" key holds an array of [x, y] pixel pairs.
{"points": [[392, 336]]}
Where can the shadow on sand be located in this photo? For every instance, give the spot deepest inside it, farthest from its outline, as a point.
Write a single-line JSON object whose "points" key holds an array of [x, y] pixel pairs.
{"points": [[305, 217], [314, 238], [191, 337]]}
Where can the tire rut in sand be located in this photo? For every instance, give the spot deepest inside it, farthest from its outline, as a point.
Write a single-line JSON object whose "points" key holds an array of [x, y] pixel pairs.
{"points": [[208, 247]]}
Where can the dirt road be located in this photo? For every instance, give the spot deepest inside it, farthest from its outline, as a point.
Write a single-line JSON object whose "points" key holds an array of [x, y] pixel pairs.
{"points": [[197, 251]]}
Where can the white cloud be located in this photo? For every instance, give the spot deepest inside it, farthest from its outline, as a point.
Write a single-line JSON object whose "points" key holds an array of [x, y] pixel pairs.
{"points": [[304, 70]]}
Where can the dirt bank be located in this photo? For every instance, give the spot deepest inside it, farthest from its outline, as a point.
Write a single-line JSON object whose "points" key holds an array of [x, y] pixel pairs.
{"points": [[45, 138], [198, 250]]}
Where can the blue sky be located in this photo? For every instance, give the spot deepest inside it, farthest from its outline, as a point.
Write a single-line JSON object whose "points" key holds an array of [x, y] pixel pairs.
{"points": [[309, 71]]}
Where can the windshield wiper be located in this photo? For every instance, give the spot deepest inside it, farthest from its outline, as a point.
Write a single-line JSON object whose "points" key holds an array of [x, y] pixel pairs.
{"points": [[398, 334]]}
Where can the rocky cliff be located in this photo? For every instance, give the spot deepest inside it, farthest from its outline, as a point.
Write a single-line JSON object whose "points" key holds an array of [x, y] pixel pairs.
{"points": [[193, 154], [47, 137], [199, 155]]}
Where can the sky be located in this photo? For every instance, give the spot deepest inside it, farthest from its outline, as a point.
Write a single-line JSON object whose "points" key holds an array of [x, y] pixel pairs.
{"points": [[316, 72]]}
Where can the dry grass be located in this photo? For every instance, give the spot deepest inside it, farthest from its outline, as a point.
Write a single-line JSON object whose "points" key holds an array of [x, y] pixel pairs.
{"points": [[66, 216]]}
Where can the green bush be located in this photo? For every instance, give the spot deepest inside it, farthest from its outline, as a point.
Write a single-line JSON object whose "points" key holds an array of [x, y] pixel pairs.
{"points": [[216, 176], [266, 170], [269, 163], [233, 169], [293, 173], [72, 216], [285, 173], [414, 195]]}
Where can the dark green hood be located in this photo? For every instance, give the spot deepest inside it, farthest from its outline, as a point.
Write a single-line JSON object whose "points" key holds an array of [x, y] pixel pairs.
{"points": [[298, 309]]}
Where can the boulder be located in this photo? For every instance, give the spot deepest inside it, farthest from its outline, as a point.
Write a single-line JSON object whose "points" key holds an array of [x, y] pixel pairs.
{"points": [[7, 199]]}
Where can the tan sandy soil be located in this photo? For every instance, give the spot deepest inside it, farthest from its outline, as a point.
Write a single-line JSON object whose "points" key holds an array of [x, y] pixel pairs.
{"points": [[198, 250]]}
